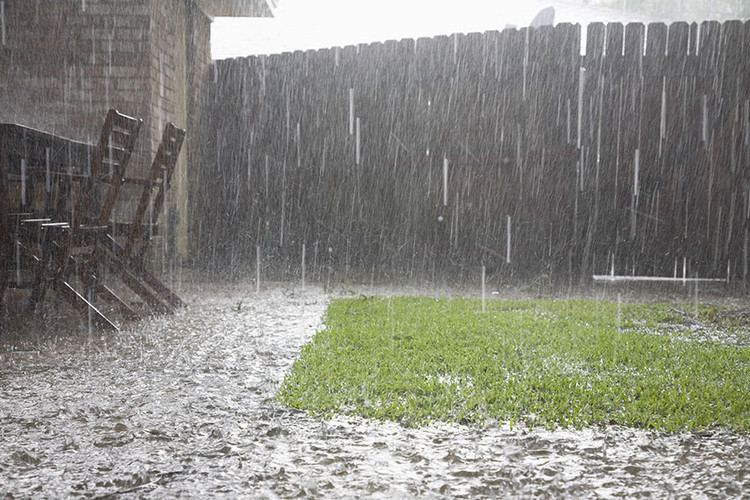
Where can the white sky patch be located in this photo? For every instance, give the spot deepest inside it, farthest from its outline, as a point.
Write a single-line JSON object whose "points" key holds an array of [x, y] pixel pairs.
{"points": [[315, 24]]}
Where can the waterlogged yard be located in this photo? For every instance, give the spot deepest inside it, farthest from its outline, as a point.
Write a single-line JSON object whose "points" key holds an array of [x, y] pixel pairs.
{"points": [[530, 363], [185, 406]]}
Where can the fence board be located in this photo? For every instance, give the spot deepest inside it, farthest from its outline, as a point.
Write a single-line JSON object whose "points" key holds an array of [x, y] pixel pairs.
{"points": [[637, 154]]}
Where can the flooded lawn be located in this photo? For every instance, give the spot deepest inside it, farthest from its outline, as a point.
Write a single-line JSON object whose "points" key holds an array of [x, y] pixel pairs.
{"points": [[183, 406]]}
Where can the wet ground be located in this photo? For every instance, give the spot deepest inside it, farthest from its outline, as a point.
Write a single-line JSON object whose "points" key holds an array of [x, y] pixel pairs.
{"points": [[183, 406]]}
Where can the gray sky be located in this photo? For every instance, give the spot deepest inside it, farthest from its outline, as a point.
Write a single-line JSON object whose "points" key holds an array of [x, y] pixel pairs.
{"points": [[313, 24]]}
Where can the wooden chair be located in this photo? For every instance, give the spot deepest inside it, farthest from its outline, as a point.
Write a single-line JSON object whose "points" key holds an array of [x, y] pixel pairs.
{"points": [[80, 220], [127, 259], [80, 238], [156, 186]]}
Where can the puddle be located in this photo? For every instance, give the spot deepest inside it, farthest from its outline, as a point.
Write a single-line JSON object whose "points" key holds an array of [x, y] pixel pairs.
{"points": [[183, 406]]}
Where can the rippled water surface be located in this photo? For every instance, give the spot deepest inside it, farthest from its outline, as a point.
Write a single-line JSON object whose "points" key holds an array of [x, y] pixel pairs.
{"points": [[183, 406]]}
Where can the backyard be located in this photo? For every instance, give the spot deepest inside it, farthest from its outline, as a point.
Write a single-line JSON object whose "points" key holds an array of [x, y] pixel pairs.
{"points": [[187, 405]]}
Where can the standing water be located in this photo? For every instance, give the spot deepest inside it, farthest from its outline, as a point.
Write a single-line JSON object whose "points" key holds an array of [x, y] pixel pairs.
{"points": [[183, 406]]}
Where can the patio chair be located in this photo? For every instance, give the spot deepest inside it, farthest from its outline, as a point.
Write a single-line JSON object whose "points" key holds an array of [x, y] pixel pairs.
{"points": [[84, 217]]}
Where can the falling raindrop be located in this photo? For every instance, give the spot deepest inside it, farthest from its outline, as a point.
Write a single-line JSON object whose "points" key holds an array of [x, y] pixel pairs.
{"points": [[23, 183], [93, 46], [165, 248], [704, 122], [351, 111], [636, 186], [267, 173], [90, 298], [47, 179], [299, 140], [728, 273], [109, 71], [357, 152], [634, 199], [455, 48], [581, 172], [507, 245], [151, 214], [445, 180], [303, 266], [315, 260], [455, 228], [2, 21], [525, 64], [249, 167], [663, 114], [283, 205], [581, 86], [483, 288], [110, 147], [18, 262], [257, 268], [746, 120]]}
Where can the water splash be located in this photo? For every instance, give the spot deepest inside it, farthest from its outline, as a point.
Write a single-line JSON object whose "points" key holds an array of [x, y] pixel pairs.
{"points": [[201, 386]]}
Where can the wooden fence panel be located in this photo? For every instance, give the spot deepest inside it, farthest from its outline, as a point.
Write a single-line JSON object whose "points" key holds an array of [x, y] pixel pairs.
{"points": [[506, 149]]}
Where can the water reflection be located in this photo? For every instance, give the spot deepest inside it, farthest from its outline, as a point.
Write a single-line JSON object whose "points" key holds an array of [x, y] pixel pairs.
{"points": [[183, 406]]}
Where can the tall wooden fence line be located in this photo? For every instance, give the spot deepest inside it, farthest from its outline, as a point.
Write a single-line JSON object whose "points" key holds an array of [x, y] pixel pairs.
{"points": [[505, 149]]}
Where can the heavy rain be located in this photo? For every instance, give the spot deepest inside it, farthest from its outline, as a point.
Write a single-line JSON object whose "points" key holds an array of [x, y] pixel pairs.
{"points": [[174, 228]]}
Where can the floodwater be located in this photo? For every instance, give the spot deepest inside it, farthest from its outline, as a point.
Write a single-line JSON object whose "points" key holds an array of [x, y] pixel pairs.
{"points": [[183, 406]]}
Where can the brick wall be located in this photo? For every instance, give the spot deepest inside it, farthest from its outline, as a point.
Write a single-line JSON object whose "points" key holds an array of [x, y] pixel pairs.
{"points": [[198, 49], [63, 64], [180, 57]]}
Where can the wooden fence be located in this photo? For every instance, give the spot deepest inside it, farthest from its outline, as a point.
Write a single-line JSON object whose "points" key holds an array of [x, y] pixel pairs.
{"points": [[505, 149]]}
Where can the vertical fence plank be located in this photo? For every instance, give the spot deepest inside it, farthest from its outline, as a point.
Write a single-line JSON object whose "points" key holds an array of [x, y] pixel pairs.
{"points": [[677, 117], [726, 144], [651, 144], [592, 108]]}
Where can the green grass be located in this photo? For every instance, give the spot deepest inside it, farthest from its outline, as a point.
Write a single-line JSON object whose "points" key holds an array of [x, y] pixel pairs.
{"points": [[549, 363]]}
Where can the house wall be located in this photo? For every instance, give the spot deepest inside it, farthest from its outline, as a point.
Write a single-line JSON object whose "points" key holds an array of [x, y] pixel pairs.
{"points": [[65, 63], [64, 66], [198, 64]]}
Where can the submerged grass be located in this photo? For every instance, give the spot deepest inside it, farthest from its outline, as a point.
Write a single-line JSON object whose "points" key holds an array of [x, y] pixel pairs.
{"points": [[549, 363]]}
